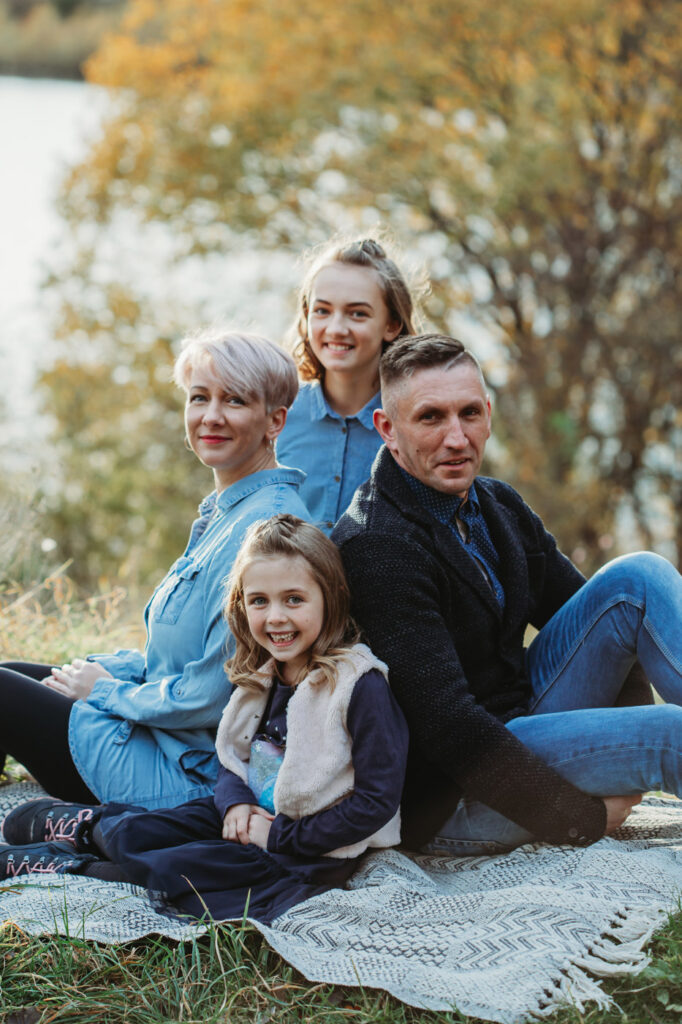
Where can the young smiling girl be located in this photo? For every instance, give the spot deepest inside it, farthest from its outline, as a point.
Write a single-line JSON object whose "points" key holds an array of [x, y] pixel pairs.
{"points": [[312, 746], [353, 302]]}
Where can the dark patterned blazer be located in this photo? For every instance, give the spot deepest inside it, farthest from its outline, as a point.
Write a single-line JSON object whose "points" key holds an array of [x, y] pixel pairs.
{"points": [[456, 660]]}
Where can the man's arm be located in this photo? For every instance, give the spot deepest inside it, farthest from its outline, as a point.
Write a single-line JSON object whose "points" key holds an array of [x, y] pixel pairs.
{"points": [[397, 602]]}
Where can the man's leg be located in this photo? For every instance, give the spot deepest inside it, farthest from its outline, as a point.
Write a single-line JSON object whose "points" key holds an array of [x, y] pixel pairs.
{"points": [[630, 609], [603, 751]]}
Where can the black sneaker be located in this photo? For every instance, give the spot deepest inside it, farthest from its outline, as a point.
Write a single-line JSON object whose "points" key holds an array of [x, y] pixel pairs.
{"points": [[41, 859], [44, 821]]}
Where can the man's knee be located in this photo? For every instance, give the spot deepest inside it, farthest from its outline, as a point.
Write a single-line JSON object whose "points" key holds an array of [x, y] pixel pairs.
{"points": [[664, 724], [637, 574]]}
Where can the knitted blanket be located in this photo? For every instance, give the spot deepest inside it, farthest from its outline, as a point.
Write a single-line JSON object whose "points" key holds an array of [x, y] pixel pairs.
{"points": [[501, 938]]}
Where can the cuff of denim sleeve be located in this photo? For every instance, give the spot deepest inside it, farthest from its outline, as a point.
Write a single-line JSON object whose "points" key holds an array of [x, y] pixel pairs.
{"points": [[99, 695]]}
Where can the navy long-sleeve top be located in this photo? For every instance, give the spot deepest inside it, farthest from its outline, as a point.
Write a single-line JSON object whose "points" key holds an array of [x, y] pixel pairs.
{"points": [[379, 751]]}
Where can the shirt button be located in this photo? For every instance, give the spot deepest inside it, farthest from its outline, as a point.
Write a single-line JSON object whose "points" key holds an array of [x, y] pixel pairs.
{"points": [[329, 526], [344, 430], [337, 478]]}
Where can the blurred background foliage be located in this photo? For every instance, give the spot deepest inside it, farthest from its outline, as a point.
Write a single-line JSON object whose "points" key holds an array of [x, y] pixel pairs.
{"points": [[529, 155], [52, 38]]}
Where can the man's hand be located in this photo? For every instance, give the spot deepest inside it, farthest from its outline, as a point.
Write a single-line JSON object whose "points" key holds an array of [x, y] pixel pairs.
{"points": [[617, 810], [236, 823], [76, 679]]}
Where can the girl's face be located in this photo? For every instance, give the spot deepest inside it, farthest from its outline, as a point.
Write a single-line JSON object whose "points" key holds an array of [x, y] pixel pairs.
{"points": [[285, 610], [348, 319], [227, 431]]}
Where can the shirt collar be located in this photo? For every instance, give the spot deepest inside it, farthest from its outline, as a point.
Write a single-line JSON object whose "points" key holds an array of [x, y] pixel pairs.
{"points": [[443, 507], [320, 407], [248, 484]]}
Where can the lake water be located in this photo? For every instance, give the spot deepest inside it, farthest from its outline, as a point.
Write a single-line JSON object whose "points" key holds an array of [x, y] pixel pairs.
{"points": [[45, 127]]}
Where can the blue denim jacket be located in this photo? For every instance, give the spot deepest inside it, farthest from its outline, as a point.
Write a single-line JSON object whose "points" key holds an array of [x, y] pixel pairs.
{"points": [[147, 735], [334, 452]]}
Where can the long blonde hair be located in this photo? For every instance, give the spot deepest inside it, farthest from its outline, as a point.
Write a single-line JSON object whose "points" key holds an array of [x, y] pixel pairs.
{"points": [[288, 536], [359, 252]]}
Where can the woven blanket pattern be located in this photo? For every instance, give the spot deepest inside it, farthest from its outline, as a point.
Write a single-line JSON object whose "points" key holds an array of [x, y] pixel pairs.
{"points": [[502, 938]]}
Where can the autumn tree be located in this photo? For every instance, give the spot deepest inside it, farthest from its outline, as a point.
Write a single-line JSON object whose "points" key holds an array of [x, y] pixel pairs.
{"points": [[529, 155]]}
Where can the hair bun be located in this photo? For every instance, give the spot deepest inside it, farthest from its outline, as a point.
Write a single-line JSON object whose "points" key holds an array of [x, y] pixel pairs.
{"points": [[372, 248]]}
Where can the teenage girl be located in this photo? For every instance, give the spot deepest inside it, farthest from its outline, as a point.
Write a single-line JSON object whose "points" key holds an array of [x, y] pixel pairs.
{"points": [[312, 746], [353, 302]]}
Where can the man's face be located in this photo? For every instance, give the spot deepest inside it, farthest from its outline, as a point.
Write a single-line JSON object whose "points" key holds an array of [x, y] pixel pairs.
{"points": [[439, 425]]}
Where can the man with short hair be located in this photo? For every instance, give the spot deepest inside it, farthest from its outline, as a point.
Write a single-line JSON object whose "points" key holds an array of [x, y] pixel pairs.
{"points": [[447, 569]]}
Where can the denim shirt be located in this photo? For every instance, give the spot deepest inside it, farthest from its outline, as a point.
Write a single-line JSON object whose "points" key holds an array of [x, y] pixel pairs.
{"points": [[335, 452], [147, 735]]}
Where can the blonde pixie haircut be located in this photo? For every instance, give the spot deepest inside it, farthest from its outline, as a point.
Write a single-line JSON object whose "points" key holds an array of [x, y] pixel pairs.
{"points": [[254, 367], [289, 536], [359, 252]]}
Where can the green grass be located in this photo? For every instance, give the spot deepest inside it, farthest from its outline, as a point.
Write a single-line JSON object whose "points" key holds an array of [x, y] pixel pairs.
{"points": [[230, 974]]}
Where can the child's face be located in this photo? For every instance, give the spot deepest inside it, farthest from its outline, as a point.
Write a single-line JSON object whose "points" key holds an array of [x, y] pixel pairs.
{"points": [[285, 610], [348, 319]]}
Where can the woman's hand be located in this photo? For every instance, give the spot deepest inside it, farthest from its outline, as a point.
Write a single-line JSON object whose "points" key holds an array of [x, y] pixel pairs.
{"points": [[77, 679], [237, 822]]}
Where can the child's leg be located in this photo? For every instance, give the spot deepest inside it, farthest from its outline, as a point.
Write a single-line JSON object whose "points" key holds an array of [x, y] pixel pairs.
{"points": [[123, 827], [180, 851], [45, 820]]}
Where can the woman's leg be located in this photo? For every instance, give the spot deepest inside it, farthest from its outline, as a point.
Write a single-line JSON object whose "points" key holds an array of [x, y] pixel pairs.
{"points": [[34, 724], [32, 669]]}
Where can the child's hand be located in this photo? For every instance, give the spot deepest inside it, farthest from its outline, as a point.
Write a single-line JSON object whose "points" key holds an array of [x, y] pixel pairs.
{"points": [[236, 822], [259, 828]]}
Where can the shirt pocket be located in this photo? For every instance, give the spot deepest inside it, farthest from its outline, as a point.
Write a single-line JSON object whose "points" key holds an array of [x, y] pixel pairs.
{"points": [[173, 593]]}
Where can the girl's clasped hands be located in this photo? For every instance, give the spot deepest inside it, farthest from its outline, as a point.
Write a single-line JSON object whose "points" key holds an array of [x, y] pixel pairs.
{"points": [[247, 823]]}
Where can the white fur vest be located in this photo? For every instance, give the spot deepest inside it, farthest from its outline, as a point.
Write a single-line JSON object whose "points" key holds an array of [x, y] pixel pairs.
{"points": [[317, 769]]}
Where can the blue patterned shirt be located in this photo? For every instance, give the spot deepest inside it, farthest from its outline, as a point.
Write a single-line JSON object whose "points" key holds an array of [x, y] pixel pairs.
{"points": [[462, 516]]}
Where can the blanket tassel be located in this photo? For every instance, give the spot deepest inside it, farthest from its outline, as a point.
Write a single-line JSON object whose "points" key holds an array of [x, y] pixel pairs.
{"points": [[617, 951]]}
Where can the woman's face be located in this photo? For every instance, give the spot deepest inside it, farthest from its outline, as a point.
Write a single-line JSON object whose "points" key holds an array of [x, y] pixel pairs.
{"points": [[348, 319], [228, 431]]}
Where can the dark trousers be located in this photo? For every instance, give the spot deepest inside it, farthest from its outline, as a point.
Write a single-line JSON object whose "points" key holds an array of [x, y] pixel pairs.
{"points": [[181, 852], [34, 729]]}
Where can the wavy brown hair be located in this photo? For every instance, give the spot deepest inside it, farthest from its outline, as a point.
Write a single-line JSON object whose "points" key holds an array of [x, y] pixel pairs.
{"points": [[360, 252], [291, 537]]}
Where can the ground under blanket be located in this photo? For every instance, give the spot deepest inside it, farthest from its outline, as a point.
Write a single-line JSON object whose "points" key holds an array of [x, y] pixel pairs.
{"points": [[502, 938]]}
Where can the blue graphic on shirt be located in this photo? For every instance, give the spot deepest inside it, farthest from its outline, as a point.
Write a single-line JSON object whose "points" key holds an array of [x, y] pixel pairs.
{"points": [[264, 765]]}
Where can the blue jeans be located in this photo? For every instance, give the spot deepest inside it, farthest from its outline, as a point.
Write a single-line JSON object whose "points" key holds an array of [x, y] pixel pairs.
{"points": [[631, 609]]}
